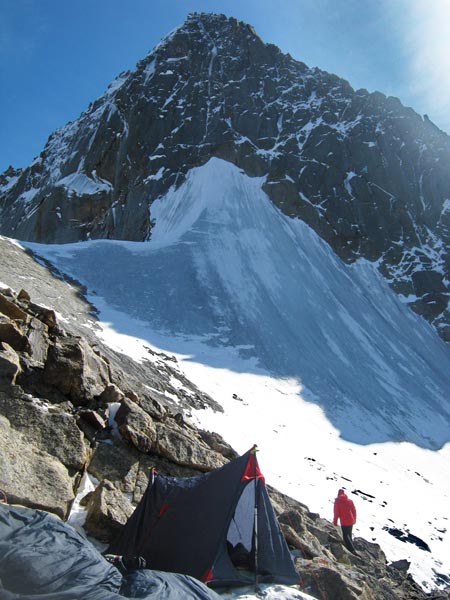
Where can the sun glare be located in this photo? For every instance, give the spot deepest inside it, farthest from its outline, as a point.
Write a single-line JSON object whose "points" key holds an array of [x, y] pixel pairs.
{"points": [[429, 49]]}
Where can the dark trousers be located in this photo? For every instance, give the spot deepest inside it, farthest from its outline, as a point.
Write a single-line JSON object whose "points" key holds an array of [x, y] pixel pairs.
{"points": [[347, 537]]}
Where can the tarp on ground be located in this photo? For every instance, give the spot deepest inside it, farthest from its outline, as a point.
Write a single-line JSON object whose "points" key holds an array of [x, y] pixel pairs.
{"points": [[43, 558]]}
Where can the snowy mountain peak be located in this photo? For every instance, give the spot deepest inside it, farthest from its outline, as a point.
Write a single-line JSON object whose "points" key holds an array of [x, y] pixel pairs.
{"points": [[370, 176]]}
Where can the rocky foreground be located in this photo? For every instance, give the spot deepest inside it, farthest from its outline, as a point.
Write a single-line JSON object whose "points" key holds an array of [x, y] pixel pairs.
{"points": [[70, 406]]}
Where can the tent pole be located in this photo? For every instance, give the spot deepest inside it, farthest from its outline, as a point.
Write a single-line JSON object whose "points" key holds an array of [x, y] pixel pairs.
{"points": [[255, 524]]}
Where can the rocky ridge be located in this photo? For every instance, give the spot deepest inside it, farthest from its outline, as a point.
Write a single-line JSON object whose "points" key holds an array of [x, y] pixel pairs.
{"points": [[67, 409], [368, 174]]}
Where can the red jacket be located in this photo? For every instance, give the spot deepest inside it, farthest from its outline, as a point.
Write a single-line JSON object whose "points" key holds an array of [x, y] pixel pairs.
{"points": [[344, 509]]}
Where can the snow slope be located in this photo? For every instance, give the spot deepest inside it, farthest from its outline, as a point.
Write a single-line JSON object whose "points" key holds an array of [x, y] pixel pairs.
{"points": [[318, 362]]}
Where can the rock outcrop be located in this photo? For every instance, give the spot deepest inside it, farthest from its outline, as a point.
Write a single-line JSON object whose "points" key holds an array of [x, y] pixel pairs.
{"points": [[63, 415], [56, 397]]}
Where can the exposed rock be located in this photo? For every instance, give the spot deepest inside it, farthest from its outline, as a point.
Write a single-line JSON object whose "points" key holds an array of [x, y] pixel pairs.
{"points": [[297, 535], [12, 335], [45, 285], [401, 565], [30, 476], [111, 394], [324, 579], [153, 404], [93, 418], [38, 341], [11, 310], [107, 511], [217, 443], [23, 296], [136, 425], [75, 370], [116, 461], [144, 472], [9, 364], [51, 429], [181, 447], [46, 315]]}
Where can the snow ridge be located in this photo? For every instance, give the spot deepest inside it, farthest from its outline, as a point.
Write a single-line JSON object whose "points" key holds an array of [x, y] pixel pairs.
{"points": [[225, 265]]}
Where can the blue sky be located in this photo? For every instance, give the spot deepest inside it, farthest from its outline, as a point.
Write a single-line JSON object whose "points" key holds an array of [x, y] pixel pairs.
{"points": [[57, 56]]}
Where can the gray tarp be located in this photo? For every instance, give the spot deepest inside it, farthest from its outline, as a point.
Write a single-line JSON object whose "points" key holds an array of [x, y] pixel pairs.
{"points": [[43, 558]]}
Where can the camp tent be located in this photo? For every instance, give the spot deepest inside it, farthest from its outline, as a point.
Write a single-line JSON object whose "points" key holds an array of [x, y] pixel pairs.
{"points": [[219, 527]]}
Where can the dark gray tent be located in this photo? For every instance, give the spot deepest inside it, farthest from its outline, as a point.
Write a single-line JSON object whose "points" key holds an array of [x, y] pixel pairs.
{"points": [[219, 527]]}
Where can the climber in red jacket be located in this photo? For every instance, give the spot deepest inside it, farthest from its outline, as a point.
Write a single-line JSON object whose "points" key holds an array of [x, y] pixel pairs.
{"points": [[345, 511]]}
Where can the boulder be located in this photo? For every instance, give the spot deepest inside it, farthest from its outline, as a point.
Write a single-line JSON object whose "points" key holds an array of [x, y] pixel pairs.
{"points": [[92, 418], [76, 370], [9, 364], [111, 394], [218, 444], [295, 541], [107, 511], [23, 297], [136, 425], [10, 309], [117, 461], [295, 531], [48, 428], [44, 314], [322, 579], [181, 446], [38, 342], [30, 476], [401, 565], [152, 403], [12, 335]]}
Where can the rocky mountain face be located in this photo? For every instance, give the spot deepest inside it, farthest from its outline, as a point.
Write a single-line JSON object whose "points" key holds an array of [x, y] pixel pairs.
{"points": [[69, 406], [368, 174]]}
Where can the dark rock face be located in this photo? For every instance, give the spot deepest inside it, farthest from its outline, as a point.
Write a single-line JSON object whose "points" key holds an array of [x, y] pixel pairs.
{"points": [[368, 174]]}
